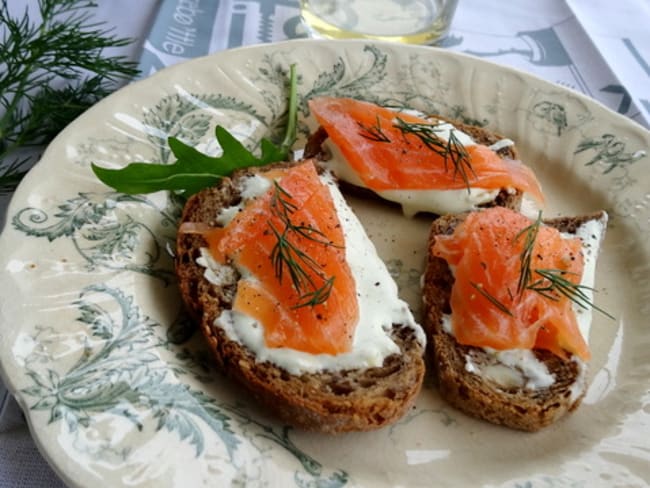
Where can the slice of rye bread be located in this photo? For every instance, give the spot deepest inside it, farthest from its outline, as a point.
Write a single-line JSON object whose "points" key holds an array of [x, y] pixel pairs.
{"points": [[315, 149], [332, 402], [518, 408]]}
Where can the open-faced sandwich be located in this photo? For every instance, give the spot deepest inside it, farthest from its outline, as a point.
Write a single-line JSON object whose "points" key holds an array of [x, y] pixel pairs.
{"points": [[507, 312], [294, 301], [297, 306], [424, 164]]}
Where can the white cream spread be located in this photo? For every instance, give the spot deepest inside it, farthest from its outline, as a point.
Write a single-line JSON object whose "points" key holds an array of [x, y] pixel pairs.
{"points": [[450, 201], [250, 186], [591, 234], [512, 368], [502, 144], [379, 304], [414, 201], [520, 368]]}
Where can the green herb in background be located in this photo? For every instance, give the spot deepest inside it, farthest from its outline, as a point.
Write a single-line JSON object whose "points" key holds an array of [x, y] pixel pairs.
{"points": [[194, 170], [64, 48]]}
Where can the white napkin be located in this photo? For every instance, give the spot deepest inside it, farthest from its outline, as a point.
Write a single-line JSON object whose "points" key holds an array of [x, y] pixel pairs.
{"points": [[567, 43], [620, 32]]}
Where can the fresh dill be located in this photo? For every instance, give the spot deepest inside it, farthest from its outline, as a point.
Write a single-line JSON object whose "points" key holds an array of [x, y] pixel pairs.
{"points": [[553, 283], [492, 299], [51, 71], [373, 132], [11, 175], [302, 269], [529, 234], [451, 150]]}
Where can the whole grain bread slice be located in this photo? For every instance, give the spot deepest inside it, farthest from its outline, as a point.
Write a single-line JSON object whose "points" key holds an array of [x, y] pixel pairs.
{"points": [[315, 148], [328, 401], [477, 395]]}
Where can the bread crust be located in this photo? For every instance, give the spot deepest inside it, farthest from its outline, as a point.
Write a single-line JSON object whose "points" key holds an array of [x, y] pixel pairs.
{"points": [[518, 408], [332, 402]]}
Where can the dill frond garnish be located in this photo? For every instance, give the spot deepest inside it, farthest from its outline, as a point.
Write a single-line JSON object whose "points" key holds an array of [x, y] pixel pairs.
{"points": [[529, 234], [373, 132], [553, 284], [61, 44], [452, 150], [304, 272], [491, 298], [11, 175]]}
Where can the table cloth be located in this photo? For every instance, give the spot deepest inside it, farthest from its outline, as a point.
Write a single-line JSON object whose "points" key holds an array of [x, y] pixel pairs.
{"points": [[597, 47]]}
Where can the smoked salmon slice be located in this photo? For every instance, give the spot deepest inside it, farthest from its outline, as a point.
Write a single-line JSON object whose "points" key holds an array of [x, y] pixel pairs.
{"points": [[492, 306], [390, 150], [297, 282]]}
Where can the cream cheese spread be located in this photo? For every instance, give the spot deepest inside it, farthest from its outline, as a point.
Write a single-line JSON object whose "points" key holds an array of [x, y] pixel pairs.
{"points": [[414, 201], [379, 304], [520, 368]]}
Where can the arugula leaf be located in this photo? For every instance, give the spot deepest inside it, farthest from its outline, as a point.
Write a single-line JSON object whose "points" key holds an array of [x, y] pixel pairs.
{"points": [[194, 170]]}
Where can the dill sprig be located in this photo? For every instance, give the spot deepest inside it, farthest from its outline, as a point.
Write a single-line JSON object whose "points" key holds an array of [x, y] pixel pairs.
{"points": [[452, 150], [373, 132], [529, 234], [553, 283], [50, 72], [285, 255], [11, 175], [491, 298]]}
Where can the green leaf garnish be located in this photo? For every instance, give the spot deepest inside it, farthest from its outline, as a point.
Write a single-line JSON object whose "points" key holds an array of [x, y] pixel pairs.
{"points": [[286, 256], [193, 170]]}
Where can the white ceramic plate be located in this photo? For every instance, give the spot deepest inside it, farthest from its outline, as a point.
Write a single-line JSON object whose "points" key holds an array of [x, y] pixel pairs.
{"points": [[118, 390]]}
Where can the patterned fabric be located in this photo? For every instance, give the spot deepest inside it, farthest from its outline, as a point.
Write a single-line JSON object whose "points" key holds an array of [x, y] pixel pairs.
{"points": [[562, 42]]}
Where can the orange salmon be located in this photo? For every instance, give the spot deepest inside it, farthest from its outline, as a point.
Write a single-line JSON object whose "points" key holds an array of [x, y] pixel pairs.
{"points": [[290, 239], [389, 150], [488, 309]]}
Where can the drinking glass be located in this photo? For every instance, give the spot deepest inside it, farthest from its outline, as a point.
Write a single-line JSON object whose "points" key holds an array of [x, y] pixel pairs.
{"points": [[408, 21]]}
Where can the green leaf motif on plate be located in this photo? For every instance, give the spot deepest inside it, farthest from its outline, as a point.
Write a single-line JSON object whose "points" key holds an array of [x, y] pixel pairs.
{"points": [[370, 81], [334, 82], [610, 152], [187, 117], [552, 114], [404, 277], [124, 376], [120, 372], [103, 233]]}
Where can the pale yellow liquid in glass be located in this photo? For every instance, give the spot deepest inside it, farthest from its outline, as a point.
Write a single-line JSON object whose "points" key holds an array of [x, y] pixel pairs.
{"points": [[407, 21]]}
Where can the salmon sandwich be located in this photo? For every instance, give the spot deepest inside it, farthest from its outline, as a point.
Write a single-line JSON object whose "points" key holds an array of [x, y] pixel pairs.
{"points": [[425, 164], [294, 301], [508, 304]]}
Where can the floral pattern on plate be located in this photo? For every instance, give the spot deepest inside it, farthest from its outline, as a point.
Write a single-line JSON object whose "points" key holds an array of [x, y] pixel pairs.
{"points": [[120, 390]]}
